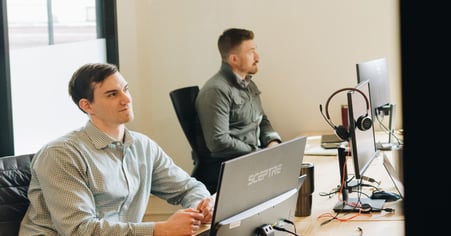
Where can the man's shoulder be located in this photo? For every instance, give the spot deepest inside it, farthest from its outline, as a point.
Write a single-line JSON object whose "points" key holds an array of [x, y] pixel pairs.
{"points": [[219, 83], [139, 138], [72, 136], [67, 141]]}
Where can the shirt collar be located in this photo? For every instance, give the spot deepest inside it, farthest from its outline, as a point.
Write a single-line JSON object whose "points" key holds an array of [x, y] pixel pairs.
{"points": [[243, 82], [240, 81], [101, 140]]}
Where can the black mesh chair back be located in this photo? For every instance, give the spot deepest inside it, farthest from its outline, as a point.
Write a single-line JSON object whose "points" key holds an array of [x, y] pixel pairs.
{"points": [[183, 100], [205, 168]]}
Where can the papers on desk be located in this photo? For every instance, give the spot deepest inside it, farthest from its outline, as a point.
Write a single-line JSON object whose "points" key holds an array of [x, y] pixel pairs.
{"points": [[313, 147]]}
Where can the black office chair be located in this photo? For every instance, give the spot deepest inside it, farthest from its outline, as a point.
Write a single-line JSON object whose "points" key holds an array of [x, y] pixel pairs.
{"points": [[183, 100], [205, 168], [15, 175]]}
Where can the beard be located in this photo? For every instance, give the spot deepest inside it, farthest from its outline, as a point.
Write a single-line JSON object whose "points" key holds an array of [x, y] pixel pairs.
{"points": [[253, 70]]}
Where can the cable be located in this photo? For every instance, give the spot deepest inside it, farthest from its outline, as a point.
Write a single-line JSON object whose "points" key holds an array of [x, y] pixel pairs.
{"points": [[387, 131], [366, 178], [359, 192], [359, 183], [337, 190], [371, 180], [290, 222], [268, 229], [359, 188], [284, 230], [368, 208], [335, 217], [331, 193]]}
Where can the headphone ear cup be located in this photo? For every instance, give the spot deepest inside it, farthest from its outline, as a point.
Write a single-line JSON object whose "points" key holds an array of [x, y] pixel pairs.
{"points": [[342, 132], [364, 123]]}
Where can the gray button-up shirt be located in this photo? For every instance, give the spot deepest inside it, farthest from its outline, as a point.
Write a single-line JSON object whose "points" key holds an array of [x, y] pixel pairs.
{"points": [[85, 183], [232, 117]]}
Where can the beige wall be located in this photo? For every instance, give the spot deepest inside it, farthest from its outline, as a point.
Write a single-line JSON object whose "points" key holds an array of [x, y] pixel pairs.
{"points": [[308, 50]]}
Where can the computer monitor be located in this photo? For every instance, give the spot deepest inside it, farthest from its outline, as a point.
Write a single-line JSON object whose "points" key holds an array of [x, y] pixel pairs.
{"points": [[258, 188], [376, 72], [363, 150], [362, 142]]}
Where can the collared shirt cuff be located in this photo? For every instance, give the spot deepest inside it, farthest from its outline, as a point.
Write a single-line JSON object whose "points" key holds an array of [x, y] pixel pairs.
{"points": [[144, 228]]}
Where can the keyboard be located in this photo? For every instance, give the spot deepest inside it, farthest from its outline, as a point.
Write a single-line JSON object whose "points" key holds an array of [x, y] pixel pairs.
{"points": [[330, 138], [331, 141]]}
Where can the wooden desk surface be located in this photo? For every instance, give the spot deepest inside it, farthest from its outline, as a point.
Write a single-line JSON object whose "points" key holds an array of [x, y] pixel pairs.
{"points": [[326, 178]]}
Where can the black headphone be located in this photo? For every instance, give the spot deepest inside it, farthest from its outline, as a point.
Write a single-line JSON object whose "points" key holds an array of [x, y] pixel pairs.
{"points": [[363, 122]]}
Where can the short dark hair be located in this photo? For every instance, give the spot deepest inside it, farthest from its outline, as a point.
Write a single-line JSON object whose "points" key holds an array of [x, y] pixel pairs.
{"points": [[232, 38], [82, 83]]}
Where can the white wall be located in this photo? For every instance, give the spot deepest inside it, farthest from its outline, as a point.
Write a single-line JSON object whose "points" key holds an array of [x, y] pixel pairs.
{"points": [[308, 50]]}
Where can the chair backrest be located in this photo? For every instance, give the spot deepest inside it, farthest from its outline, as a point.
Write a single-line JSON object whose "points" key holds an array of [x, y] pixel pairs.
{"points": [[15, 175], [183, 100]]}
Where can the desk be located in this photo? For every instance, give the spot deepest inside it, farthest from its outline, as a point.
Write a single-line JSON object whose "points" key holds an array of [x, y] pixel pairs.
{"points": [[326, 178]]}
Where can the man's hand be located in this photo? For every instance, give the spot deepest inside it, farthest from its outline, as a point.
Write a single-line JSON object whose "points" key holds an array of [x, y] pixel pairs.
{"points": [[206, 208], [272, 143], [182, 222]]}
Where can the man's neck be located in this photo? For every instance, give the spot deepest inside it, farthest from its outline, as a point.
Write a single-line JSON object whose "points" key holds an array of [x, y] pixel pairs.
{"points": [[115, 132]]}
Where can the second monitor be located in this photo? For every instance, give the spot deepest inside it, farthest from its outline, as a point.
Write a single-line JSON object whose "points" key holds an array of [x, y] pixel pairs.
{"points": [[376, 72], [363, 148], [362, 141]]}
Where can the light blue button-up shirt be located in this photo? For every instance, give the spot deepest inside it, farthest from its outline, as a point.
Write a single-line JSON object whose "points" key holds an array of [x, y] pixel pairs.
{"points": [[85, 183]]}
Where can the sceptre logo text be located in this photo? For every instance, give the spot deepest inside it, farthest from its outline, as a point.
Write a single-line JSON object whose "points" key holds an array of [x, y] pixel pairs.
{"points": [[267, 173]]}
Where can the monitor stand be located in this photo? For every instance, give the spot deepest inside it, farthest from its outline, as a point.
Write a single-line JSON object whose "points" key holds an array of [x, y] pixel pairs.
{"points": [[389, 110], [353, 204]]}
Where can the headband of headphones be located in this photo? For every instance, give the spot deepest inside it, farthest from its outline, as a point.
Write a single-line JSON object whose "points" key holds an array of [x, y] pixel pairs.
{"points": [[347, 89], [363, 122]]}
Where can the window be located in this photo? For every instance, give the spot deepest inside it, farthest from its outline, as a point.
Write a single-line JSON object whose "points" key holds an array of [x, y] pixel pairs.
{"points": [[43, 42], [34, 23]]}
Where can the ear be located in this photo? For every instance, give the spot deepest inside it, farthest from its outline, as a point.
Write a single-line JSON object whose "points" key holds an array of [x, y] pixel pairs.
{"points": [[85, 105], [233, 59]]}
